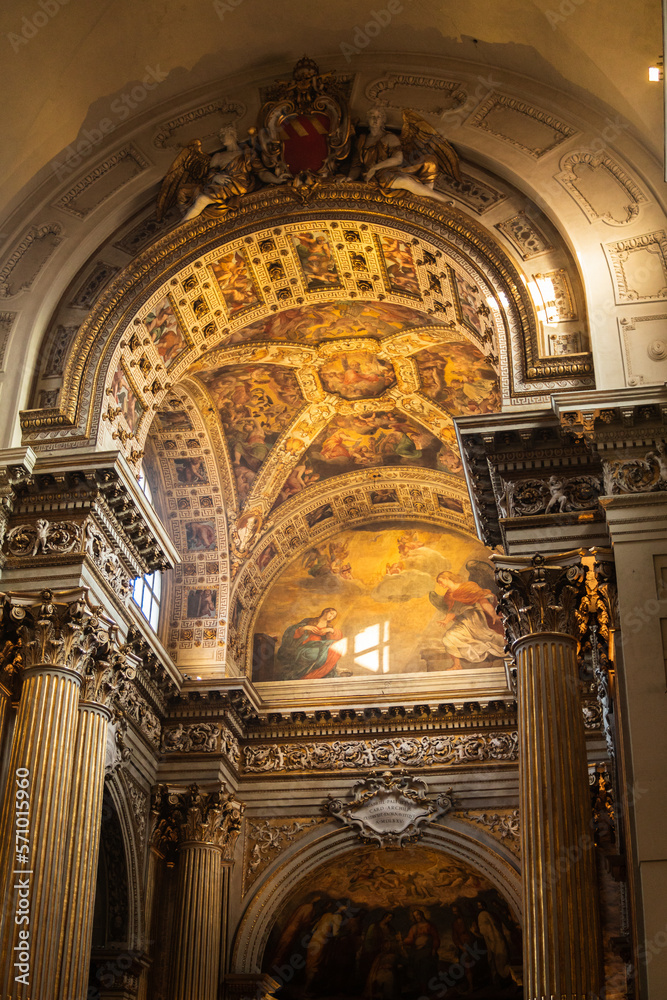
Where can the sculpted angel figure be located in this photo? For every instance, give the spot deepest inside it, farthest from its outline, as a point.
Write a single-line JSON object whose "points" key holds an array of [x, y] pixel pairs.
{"points": [[409, 163], [196, 180]]}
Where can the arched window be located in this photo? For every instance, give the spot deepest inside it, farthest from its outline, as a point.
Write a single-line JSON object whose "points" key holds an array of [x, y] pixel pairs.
{"points": [[147, 589]]}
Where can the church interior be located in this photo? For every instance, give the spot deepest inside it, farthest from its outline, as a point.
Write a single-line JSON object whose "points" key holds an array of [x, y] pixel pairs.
{"points": [[333, 469]]}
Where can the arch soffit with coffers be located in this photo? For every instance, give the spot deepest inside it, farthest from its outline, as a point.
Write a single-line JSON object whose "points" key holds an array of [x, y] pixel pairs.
{"points": [[90, 358], [453, 837]]}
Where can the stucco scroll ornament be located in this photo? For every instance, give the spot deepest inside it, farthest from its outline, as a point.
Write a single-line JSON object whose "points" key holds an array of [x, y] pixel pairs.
{"points": [[107, 561], [43, 537], [637, 475], [389, 809]]}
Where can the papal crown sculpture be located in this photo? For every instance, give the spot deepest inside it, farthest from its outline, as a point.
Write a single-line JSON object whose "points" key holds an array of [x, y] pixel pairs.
{"points": [[305, 138]]}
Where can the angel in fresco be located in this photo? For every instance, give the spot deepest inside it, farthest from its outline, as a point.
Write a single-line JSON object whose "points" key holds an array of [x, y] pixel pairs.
{"points": [[473, 630], [409, 163], [308, 648], [195, 180]]}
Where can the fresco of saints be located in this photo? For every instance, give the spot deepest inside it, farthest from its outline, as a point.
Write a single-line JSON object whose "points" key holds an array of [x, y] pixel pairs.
{"points": [[307, 650], [473, 630]]}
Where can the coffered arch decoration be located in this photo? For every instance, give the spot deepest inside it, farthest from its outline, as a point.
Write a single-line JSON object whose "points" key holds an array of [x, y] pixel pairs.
{"points": [[334, 867], [214, 283], [185, 465]]}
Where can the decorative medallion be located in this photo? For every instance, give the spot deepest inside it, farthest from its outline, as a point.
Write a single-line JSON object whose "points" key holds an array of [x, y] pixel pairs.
{"points": [[389, 809]]}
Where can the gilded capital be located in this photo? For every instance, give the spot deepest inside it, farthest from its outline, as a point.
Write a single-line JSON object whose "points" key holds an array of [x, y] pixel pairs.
{"points": [[541, 594], [63, 630], [192, 815]]}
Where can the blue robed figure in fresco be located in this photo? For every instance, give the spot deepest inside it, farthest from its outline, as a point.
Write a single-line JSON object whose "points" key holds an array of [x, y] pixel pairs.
{"points": [[307, 649]]}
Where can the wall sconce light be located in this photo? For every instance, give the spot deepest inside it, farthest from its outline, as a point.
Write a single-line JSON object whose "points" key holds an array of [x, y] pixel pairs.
{"points": [[655, 72]]}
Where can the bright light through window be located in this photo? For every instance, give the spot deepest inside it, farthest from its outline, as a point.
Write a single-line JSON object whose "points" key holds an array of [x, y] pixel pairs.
{"points": [[147, 590], [371, 648]]}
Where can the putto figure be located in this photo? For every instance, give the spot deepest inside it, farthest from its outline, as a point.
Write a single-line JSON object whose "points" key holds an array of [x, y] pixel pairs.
{"points": [[410, 162]]}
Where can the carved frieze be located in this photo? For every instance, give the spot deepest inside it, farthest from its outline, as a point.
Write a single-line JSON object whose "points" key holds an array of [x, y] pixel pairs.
{"points": [[555, 495], [637, 475], [43, 537], [425, 751], [201, 737]]}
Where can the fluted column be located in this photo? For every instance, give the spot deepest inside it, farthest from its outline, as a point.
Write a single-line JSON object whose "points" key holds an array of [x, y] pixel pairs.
{"points": [[100, 683], [207, 825], [34, 822], [561, 936]]}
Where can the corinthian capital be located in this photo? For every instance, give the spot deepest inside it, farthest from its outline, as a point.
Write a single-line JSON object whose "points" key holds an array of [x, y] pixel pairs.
{"points": [[63, 630], [541, 594], [194, 815]]}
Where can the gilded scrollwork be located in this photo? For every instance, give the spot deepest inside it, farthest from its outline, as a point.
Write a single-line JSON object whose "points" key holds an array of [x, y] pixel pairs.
{"points": [[340, 755]]}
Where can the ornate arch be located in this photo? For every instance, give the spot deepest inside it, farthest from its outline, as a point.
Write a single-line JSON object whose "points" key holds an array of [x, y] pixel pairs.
{"points": [[133, 860], [454, 836], [110, 339]]}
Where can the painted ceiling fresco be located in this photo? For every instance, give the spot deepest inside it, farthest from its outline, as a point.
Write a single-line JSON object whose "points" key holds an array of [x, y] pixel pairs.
{"points": [[333, 320], [384, 598], [369, 347], [255, 404], [387, 925]]}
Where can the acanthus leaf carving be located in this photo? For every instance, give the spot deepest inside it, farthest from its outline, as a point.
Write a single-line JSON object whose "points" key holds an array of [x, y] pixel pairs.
{"points": [[267, 838], [193, 815], [542, 596], [503, 825], [637, 475]]}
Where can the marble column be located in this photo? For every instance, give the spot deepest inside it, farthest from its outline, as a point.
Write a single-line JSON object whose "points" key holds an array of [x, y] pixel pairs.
{"points": [[35, 811], [100, 683], [207, 825], [561, 935]]}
